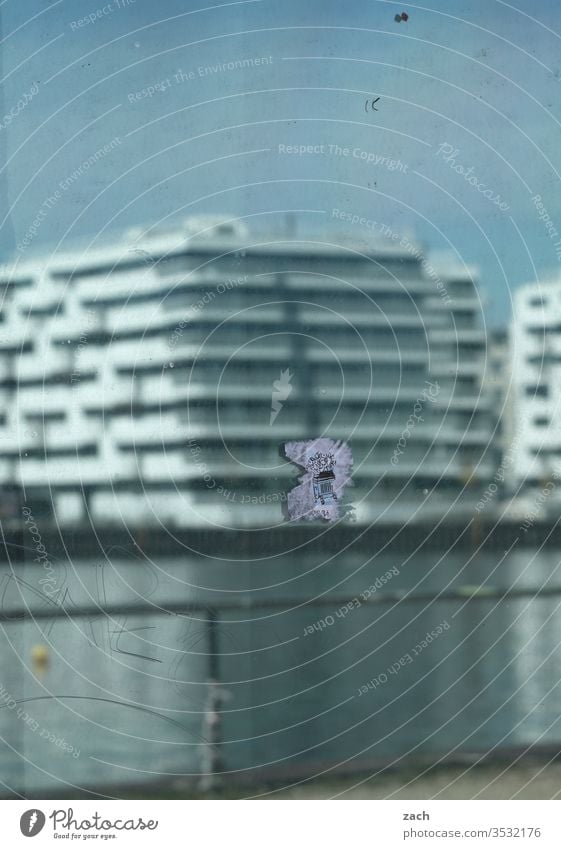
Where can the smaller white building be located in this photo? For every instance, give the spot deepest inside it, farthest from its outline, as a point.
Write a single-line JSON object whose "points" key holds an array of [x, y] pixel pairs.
{"points": [[533, 433]]}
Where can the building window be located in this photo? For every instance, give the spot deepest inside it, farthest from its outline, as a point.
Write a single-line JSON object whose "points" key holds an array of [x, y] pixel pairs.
{"points": [[43, 312], [539, 391], [46, 416]]}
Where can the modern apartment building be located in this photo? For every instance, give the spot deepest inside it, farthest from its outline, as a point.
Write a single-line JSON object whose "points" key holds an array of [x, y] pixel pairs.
{"points": [[496, 378], [155, 380], [535, 381]]}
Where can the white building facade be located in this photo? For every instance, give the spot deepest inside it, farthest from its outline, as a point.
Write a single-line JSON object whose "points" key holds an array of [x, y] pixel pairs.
{"points": [[534, 427], [138, 378]]}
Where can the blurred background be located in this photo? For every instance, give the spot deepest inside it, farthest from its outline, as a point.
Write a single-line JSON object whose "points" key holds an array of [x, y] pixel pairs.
{"points": [[232, 227]]}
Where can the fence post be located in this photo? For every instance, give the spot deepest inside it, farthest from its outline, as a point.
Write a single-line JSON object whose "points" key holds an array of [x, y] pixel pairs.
{"points": [[211, 762]]}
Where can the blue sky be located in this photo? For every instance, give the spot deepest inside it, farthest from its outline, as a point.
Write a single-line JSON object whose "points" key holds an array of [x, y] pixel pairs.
{"points": [[482, 77]]}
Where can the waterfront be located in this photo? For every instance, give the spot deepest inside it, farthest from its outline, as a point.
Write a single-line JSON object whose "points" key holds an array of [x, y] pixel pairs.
{"points": [[129, 691]]}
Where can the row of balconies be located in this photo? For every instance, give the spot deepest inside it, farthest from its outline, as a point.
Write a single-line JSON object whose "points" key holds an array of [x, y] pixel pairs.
{"points": [[158, 432], [73, 401], [402, 344], [375, 328], [171, 469], [126, 289], [148, 278]]}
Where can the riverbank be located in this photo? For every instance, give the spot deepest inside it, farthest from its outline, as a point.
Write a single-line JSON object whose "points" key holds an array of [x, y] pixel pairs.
{"points": [[519, 781]]}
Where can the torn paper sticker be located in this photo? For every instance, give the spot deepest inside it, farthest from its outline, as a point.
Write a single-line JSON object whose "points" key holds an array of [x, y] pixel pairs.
{"points": [[328, 471]]}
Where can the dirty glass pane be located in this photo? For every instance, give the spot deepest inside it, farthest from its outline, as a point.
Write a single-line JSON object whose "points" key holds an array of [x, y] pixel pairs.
{"points": [[279, 374]]}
